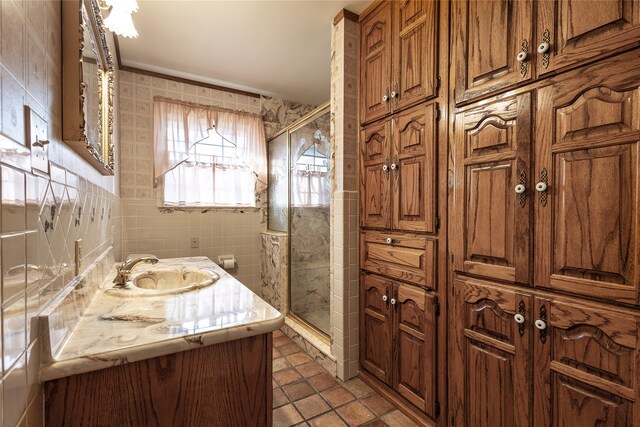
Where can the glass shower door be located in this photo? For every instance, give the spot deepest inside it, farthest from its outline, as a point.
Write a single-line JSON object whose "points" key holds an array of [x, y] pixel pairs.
{"points": [[309, 220]]}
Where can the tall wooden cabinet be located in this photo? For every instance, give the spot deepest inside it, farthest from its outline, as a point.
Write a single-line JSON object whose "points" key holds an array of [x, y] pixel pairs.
{"points": [[402, 174], [545, 293], [499, 187]]}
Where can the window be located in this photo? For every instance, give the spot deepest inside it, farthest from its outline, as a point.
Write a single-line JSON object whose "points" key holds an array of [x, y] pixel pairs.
{"points": [[310, 185], [207, 156], [212, 176]]}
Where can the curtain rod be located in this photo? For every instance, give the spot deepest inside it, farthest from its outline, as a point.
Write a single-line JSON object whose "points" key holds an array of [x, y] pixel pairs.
{"points": [[204, 106]]}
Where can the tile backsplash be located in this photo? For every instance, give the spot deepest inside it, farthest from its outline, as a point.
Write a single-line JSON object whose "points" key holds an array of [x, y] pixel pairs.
{"points": [[41, 216]]}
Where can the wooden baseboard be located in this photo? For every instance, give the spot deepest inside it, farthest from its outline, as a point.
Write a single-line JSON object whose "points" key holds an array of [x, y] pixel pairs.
{"points": [[393, 397]]}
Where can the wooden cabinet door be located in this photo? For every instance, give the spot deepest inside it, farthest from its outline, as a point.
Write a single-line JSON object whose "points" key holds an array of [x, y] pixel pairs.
{"points": [[375, 206], [492, 158], [487, 38], [375, 66], [580, 31], [489, 360], [415, 37], [586, 363], [375, 326], [414, 366], [588, 132], [414, 169]]}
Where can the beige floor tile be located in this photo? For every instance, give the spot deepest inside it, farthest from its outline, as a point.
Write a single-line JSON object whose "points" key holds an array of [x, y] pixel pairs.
{"points": [[312, 406], [355, 413], [337, 396], [286, 416], [330, 419]]}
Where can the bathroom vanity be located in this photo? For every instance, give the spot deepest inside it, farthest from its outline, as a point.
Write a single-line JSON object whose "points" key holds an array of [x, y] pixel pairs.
{"points": [[199, 357]]}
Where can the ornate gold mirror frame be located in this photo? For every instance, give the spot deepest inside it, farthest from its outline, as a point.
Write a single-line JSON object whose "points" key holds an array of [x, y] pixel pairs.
{"points": [[93, 141]]}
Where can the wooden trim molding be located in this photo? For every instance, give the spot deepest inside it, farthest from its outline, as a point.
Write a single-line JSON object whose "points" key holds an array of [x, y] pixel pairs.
{"points": [[346, 14]]}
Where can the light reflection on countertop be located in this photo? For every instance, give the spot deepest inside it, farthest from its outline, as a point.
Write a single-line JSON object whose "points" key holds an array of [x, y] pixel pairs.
{"points": [[116, 330]]}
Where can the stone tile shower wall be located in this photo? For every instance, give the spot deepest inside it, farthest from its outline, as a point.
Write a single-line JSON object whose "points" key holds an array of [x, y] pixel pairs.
{"points": [[167, 232], [40, 216]]}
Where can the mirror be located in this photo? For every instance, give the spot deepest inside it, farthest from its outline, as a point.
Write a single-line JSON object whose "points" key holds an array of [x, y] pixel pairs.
{"points": [[88, 78]]}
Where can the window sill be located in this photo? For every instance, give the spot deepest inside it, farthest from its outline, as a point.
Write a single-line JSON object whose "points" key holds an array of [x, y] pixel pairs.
{"points": [[205, 209]]}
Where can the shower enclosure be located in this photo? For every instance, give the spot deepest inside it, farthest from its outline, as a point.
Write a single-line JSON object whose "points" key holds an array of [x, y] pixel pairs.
{"points": [[307, 214]]}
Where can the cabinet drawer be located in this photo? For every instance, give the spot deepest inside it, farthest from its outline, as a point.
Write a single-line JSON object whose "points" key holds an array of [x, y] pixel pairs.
{"points": [[402, 256]]}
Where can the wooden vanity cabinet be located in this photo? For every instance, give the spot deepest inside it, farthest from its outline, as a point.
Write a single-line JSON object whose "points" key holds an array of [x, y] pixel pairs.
{"points": [[226, 384], [398, 166], [398, 339], [398, 68]]}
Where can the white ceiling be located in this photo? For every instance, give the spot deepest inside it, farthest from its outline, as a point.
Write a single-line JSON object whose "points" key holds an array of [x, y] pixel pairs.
{"points": [[280, 48]]}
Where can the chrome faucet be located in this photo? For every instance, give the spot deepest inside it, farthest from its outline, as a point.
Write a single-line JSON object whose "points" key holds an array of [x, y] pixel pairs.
{"points": [[123, 271]]}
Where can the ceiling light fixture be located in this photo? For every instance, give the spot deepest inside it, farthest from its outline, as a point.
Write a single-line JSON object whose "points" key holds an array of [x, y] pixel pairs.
{"points": [[119, 20]]}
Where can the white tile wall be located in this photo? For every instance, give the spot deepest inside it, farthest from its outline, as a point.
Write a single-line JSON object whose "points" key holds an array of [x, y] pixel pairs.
{"points": [[344, 225], [146, 229], [40, 218]]}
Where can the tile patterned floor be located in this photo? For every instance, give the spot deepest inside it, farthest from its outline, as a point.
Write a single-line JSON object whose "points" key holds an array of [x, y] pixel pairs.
{"points": [[305, 394]]}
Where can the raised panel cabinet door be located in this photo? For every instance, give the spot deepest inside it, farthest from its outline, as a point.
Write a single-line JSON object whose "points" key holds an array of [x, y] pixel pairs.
{"points": [[375, 68], [571, 32], [493, 46], [375, 326], [586, 206], [415, 37], [493, 190], [413, 169], [375, 176], [489, 360], [586, 363], [414, 365]]}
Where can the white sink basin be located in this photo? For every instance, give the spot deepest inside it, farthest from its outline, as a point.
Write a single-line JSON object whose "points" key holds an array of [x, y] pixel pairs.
{"points": [[165, 281]]}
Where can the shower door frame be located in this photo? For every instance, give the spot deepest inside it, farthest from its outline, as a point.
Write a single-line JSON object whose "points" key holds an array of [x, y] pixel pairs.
{"points": [[300, 123]]}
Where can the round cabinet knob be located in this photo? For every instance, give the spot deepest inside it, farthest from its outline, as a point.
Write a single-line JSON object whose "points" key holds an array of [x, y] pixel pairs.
{"points": [[520, 189], [543, 47], [521, 56], [519, 318], [541, 186], [394, 166], [540, 324], [393, 301], [394, 94], [389, 240], [385, 298], [385, 98], [385, 168]]}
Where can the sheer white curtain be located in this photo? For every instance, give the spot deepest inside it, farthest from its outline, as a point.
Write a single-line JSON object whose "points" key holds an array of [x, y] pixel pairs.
{"points": [[208, 156]]}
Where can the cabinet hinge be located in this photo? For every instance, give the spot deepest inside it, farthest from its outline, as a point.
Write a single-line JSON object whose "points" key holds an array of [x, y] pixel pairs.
{"points": [[437, 113], [437, 306], [437, 409], [437, 222], [438, 82]]}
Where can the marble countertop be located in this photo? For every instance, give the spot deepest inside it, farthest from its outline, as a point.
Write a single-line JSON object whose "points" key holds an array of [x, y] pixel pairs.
{"points": [[115, 330]]}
